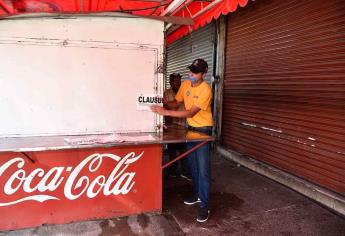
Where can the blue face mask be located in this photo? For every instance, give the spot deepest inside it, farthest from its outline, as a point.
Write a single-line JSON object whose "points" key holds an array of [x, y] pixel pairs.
{"points": [[192, 79]]}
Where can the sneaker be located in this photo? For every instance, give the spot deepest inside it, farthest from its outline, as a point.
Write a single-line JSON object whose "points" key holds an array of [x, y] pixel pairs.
{"points": [[192, 201], [203, 214]]}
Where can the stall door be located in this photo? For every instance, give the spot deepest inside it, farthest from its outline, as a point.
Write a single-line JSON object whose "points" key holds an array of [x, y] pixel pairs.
{"points": [[284, 87]]}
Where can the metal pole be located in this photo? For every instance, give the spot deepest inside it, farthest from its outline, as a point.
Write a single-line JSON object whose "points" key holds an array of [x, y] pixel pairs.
{"points": [[27, 156], [185, 154]]}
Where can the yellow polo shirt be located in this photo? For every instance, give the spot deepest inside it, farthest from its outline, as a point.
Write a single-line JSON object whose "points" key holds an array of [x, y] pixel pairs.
{"points": [[200, 96]]}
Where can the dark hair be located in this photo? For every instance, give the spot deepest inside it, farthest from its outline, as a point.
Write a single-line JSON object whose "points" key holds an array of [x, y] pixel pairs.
{"points": [[174, 75]]}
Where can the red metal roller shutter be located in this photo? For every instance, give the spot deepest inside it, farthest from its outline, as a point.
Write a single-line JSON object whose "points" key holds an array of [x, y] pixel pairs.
{"points": [[284, 87]]}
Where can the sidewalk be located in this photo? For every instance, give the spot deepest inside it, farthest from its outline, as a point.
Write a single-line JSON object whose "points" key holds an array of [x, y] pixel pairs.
{"points": [[242, 203], [245, 203]]}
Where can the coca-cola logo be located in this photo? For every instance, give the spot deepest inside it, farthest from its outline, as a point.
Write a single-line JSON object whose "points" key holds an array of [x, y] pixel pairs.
{"points": [[40, 184]]}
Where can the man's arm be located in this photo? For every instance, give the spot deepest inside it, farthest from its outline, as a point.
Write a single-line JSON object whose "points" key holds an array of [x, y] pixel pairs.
{"points": [[172, 105], [181, 114]]}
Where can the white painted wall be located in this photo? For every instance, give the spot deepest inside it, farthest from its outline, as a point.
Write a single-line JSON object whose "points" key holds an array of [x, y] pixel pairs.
{"points": [[78, 75]]}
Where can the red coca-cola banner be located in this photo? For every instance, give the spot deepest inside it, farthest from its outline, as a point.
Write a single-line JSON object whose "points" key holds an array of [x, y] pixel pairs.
{"points": [[80, 184]]}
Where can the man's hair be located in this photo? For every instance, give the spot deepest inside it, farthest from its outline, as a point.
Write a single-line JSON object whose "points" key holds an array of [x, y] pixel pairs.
{"points": [[174, 75]]}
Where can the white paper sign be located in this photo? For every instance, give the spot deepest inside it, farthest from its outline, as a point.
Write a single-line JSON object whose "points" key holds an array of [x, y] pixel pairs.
{"points": [[144, 101]]}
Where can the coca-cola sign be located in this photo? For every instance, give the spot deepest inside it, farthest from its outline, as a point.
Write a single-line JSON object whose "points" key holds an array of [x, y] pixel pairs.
{"points": [[119, 181]]}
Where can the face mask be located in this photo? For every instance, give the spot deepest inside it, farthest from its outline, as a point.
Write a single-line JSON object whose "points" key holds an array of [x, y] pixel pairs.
{"points": [[192, 79]]}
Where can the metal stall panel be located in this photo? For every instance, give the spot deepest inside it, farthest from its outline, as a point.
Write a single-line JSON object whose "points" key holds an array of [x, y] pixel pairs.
{"points": [[78, 75], [284, 87], [198, 44]]}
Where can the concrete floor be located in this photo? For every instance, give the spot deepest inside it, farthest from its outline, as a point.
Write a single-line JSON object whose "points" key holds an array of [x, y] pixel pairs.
{"points": [[242, 203]]}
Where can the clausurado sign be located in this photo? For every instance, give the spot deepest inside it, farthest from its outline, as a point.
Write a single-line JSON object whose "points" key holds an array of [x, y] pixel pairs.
{"points": [[144, 101], [94, 182]]}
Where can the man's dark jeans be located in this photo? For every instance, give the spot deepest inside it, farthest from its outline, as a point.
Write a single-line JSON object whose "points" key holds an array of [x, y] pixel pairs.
{"points": [[200, 167], [175, 149]]}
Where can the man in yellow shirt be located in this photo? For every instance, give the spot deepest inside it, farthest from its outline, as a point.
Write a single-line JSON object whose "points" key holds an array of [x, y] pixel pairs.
{"points": [[196, 95]]}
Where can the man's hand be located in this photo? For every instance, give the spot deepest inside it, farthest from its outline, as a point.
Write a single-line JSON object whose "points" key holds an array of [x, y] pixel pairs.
{"points": [[165, 100], [159, 110], [181, 114], [173, 105]]}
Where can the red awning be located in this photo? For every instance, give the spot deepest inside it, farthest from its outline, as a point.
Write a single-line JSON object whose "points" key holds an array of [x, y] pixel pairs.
{"points": [[202, 12], [138, 7], [223, 7]]}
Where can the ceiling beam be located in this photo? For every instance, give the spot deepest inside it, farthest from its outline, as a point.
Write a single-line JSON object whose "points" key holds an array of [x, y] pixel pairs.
{"points": [[171, 28], [172, 7], [181, 7], [208, 7]]}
